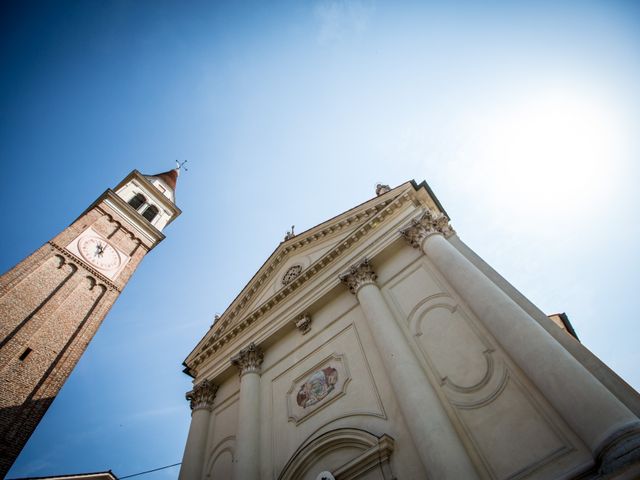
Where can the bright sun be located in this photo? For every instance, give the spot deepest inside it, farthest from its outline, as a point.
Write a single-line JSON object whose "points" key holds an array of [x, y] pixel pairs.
{"points": [[557, 150]]}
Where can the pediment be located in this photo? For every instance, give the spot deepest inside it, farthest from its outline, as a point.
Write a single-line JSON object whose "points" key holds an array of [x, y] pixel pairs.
{"points": [[296, 262], [302, 250], [308, 250]]}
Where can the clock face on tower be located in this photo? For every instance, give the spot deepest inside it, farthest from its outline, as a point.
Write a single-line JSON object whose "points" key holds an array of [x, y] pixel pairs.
{"points": [[99, 253]]}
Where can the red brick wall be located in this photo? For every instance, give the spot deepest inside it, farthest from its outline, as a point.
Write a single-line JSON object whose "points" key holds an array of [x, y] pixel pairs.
{"points": [[53, 304]]}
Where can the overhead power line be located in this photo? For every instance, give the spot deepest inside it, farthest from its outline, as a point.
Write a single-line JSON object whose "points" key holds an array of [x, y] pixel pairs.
{"points": [[149, 471]]}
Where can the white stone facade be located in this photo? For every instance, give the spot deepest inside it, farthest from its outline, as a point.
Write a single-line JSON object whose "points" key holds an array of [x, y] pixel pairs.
{"points": [[396, 352]]}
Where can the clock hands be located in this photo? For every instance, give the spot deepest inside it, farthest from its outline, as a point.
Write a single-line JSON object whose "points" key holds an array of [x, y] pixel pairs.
{"points": [[100, 249]]}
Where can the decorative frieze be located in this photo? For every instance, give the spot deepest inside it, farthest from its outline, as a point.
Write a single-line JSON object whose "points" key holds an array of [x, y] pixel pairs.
{"points": [[358, 276], [249, 359], [303, 323], [429, 223], [202, 395]]}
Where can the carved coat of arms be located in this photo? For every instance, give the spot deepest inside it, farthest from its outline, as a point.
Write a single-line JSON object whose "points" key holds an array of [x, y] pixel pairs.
{"points": [[319, 384]]}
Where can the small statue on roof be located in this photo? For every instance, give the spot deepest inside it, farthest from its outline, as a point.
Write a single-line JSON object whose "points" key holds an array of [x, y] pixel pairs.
{"points": [[381, 189], [289, 234]]}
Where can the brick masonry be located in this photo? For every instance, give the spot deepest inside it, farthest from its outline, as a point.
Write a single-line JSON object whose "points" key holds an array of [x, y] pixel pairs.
{"points": [[51, 305]]}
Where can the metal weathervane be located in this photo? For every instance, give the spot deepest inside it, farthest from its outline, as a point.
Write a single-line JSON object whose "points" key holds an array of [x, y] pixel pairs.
{"points": [[181, 166]]}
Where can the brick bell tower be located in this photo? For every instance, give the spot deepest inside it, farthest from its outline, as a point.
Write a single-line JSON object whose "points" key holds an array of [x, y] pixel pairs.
{"points": [[52, 303]]}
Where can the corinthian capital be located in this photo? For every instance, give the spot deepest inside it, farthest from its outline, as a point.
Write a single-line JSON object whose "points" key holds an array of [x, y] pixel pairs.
{"points": [[249, 359], [202, 395], [358, 276], [429, 223]]}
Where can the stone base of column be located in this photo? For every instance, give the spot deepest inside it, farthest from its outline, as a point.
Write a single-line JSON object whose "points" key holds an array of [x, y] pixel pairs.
{"points": [[620, 450]]}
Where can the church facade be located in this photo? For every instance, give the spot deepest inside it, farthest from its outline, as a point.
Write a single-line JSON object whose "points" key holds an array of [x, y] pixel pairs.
{"points": [[53, 302], [377, 345]]}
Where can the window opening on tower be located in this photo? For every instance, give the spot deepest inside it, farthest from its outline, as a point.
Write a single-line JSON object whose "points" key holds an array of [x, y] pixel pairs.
{"points": [[137, 201], [25, 354], [150, 213]]}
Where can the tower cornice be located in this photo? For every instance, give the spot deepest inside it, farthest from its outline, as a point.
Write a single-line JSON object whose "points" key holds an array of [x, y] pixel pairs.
{"points": [[139, 225], [99, 276]]}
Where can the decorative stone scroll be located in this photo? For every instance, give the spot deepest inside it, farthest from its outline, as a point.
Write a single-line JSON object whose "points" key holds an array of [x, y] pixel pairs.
{"points": [[429, 223], [358, 276], [303, 323], [249, 359], [202, 395]]}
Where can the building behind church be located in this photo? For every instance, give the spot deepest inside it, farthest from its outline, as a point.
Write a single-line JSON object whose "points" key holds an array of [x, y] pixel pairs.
{"points": [[377, 345]]}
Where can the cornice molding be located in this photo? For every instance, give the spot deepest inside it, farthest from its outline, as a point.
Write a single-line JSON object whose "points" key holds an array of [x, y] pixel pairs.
{"points": [[225, 333], [86, 266], [139, 224], [122, 227], [202, 395], [428, 223]]}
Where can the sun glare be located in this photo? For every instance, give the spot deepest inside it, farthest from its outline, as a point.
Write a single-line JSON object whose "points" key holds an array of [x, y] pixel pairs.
{"points": [[557, 150]]}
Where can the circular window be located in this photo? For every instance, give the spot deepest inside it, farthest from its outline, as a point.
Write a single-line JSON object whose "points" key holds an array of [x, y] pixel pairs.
{"points": [[291, 274]]}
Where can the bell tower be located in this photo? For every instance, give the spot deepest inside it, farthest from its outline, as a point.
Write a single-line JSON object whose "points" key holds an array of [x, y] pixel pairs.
{"points": [[52, 302]]}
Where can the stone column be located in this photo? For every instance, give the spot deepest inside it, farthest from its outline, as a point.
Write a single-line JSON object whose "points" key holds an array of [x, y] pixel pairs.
{"points": [[201, 401], [609, 429], [247, 458], [440, 448]]}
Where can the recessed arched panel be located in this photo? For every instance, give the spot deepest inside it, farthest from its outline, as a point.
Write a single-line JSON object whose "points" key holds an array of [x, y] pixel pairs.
{"points": [[220, 461], [458, 355]]}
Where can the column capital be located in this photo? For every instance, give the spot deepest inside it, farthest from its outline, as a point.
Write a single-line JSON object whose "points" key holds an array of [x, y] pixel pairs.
{"points": [[249, 359], [358, 276], [429, 223], [202, 395]]}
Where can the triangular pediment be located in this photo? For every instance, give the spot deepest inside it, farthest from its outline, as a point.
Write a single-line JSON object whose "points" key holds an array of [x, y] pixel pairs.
{"points": [[296, 262], [304, 251]]}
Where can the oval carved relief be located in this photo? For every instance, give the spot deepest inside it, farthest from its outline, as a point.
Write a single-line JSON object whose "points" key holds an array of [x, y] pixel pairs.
{"points": [[455, 350]]}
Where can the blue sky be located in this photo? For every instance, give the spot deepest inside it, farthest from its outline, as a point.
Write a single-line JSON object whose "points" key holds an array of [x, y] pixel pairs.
{"points": [[522, 118]]}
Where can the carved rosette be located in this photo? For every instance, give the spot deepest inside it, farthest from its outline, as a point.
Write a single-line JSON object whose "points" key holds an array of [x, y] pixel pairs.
{"points": [[358, 276], [249, 359], [303, 323], [202, 395], [429, 223]]}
